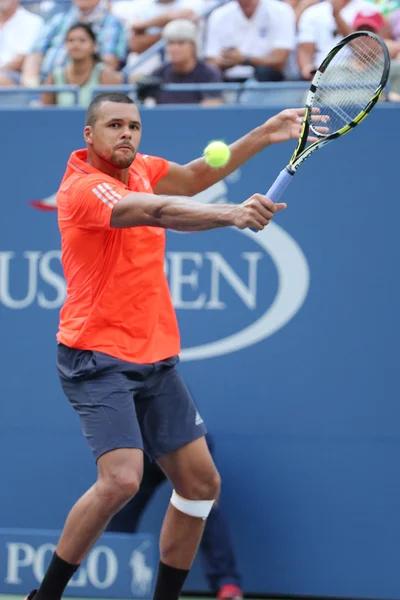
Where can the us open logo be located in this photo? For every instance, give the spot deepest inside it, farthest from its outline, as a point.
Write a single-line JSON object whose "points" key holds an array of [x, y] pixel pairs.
{"points": [[230, 288], [255, 289]]}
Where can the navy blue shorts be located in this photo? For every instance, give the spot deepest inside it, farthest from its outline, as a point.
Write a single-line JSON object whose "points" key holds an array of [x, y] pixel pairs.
{"points": [[127, 405]]}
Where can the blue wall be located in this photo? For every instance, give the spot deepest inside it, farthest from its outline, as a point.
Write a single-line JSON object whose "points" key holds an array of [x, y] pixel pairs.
{"points": [[306, 421]]}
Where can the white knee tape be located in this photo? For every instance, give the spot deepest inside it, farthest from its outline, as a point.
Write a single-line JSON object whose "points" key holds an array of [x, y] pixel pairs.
{"points": [[193, 508]]}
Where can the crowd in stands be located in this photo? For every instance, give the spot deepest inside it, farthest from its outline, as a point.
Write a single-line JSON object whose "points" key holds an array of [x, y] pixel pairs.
{"points": [[87, 43]]}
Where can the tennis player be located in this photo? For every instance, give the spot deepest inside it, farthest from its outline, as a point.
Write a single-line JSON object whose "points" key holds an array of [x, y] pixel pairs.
{"points": [[118, 339]]}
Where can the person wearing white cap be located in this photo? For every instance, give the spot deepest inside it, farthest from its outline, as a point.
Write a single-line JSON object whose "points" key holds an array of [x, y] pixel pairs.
{"points": [[184, 66]]}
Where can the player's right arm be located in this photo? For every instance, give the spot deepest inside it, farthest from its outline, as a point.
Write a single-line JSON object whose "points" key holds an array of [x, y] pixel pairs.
{"points": [[92, 203], [181, 214]]}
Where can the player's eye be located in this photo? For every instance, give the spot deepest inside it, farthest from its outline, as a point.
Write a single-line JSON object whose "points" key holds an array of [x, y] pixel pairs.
{"points": [[114, 125], [135, 126]]}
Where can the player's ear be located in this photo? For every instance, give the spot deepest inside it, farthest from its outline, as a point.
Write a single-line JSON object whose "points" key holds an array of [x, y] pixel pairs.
{"points": [[87, 134]]}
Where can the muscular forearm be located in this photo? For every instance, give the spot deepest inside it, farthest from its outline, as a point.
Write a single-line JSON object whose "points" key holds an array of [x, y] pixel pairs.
{"points": [[170, 213], [203, 176]]}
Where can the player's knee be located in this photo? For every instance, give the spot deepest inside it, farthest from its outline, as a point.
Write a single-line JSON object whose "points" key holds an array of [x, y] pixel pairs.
{"points": [[205, 486], [120, 486], [198, 499], [127, 484], [211, 486]]}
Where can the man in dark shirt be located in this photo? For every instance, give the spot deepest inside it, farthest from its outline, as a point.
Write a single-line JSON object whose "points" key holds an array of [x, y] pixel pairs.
{"points": [[183, 66]]}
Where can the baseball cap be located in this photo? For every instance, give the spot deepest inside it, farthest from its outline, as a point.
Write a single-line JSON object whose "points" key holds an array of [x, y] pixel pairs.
{"points": [[372, 19], [180, 30]]}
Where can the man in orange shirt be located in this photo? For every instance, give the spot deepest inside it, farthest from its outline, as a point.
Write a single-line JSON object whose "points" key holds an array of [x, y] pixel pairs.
{"points": [[118, 340]]}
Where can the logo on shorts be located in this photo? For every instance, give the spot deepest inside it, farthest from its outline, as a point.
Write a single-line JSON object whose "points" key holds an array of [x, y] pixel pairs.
{"points": [[198, 420]]}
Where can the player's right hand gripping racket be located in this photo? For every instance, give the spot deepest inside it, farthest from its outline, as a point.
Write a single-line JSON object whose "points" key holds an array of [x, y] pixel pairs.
{"points": [[345, 88]]}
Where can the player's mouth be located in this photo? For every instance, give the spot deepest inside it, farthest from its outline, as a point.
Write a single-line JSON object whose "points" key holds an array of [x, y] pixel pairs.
{"points": [[125, 147]]}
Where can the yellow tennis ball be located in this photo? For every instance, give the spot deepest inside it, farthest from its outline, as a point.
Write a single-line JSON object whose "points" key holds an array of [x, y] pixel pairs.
{"points": [[217, 154]]}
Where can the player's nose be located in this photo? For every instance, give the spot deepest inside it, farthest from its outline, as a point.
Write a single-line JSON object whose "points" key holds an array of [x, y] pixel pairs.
{"points": [[126, 133]]}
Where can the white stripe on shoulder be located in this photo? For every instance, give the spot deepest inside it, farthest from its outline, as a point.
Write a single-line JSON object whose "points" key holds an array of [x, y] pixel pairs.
{"points": [[112, 191], [102, 198], [102, 189]]}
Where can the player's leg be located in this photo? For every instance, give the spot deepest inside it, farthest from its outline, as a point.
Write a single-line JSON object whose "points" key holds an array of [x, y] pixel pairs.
{"points": [[119, 473], [102, 396], [128, 518], [196, 485], [173, 433]]}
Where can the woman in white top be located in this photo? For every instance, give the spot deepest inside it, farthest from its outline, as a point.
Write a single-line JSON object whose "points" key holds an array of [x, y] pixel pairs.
{"points": [[83, 69]]}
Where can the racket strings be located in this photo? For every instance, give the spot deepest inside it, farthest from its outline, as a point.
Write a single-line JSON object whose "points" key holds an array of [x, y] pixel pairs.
{"points": [[349, 82]]}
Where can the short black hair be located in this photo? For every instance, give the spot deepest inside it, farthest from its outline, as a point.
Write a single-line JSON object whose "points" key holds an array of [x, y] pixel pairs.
{"points": [[86, 27], [91, 114], [89, 30]]}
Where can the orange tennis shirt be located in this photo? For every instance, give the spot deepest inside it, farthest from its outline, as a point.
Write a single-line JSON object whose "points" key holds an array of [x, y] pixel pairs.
{"points": [[118, 300]]}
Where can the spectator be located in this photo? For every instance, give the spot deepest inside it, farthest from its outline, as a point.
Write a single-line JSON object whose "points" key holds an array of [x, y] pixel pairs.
{"points": [[299, 6], [292, 71], [320, 27], [185, 67], [249, 38], [369, 20], [394, 24], [372, 20], [83, 69], [144, 20], [50, 52], [18, 30], [394, 81]]}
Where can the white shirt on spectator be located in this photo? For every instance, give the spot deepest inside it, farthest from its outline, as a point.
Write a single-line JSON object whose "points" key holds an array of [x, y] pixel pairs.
{"points": [[132, 11], [18, 34], [271, 26], [129, 11], [317, 26]]}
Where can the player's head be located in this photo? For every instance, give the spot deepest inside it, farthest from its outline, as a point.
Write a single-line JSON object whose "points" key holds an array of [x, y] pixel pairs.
{"points": [[113, 129]]}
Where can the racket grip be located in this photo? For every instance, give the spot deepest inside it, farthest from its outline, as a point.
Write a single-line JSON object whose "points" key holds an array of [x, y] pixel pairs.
{"points": [[279, 186]]}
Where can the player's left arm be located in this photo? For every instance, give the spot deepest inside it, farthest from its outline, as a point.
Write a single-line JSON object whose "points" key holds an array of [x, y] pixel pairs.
{"points": [[194, 177]]}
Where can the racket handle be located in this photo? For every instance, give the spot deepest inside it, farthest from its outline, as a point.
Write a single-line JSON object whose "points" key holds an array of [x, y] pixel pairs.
{"points": [[279, 186]]}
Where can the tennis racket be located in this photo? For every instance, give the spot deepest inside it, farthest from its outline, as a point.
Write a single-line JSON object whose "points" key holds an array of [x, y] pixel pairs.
{"points": [[343, 92]]}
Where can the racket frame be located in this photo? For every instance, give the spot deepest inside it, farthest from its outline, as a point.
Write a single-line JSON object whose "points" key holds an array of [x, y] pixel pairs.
{"points": [[301, 153]]}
